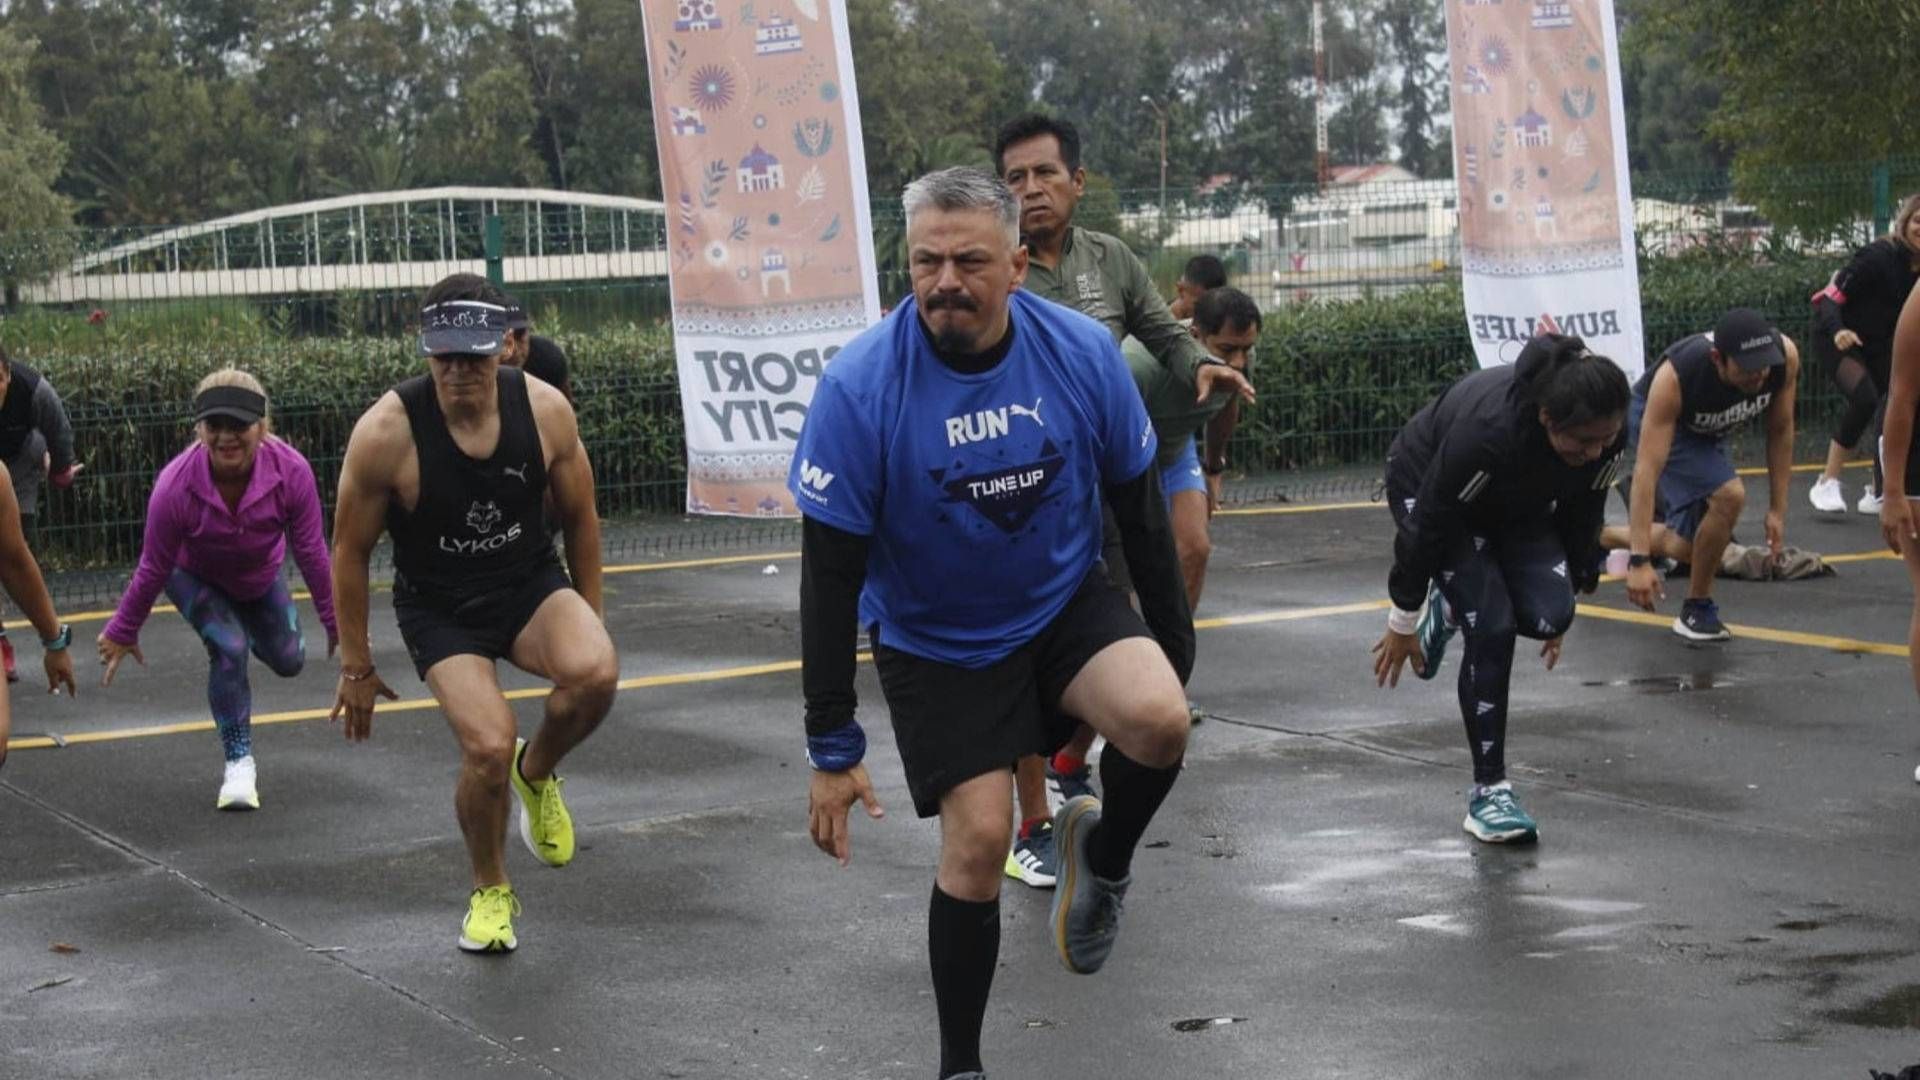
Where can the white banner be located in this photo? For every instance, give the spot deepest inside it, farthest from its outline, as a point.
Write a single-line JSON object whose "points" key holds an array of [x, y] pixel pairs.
{"points": [[771, 247], [1540, 155]]}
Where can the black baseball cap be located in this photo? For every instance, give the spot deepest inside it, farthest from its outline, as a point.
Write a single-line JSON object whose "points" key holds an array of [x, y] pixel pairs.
{"points": [[1744, 336], [232, 402]]}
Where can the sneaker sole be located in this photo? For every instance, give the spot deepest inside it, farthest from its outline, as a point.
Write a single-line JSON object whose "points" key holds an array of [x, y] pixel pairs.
{"points": [[1487, 836], [1065, 837], [238, 804], [1691, 634], [1019, 872], [467, 944]]}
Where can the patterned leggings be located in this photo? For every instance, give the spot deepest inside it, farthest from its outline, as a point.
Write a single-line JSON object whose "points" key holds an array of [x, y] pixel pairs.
{"points": [[1499, 588], [269, 627]]}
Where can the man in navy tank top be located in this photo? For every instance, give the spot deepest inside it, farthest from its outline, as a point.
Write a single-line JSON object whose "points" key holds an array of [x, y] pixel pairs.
{"points": [[951, 472], [457, 465], [1685, 496]]}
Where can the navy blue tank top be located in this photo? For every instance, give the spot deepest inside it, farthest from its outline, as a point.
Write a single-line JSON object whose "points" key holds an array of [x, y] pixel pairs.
{"points": [[1708, 406], [478, 526]]}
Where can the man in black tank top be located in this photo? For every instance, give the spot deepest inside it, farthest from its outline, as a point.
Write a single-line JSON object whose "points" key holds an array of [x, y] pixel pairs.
{"points": [[1702, 387], [457, 465]]}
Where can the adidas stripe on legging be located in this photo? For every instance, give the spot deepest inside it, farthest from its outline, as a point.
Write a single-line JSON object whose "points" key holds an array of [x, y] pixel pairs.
{"points": [[1500, 587]]}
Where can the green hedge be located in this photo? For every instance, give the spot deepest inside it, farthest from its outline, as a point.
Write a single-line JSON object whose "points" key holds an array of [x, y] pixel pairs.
{"points": [[1336, 381]]}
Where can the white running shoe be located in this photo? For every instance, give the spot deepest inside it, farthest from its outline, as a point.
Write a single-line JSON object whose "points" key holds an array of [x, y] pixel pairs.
{"points": [[1869, 502], [1827, 496], [239, 790]]}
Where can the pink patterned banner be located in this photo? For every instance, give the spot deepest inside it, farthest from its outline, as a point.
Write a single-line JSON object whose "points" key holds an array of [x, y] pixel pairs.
{"points": [[771, 246], [1546, 209]]}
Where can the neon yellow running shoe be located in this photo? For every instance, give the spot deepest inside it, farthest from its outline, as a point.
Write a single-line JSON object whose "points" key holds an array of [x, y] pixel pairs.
{"points": [[545, 824], [489, 925]]}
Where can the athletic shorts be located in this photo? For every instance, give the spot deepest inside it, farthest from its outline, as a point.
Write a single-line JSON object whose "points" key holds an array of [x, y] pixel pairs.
{"points": [[1183, 474], [1697, 466], [1913, 462], [484, 625], [953, 723]]}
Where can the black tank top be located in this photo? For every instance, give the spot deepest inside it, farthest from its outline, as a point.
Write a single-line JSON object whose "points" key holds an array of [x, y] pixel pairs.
{"points": [[478, 526], [1708, 406], [16, 412]]}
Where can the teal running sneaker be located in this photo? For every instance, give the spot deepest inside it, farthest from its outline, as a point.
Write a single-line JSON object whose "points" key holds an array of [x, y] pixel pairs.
{"points": [[1434, 631], [1494, 816]]}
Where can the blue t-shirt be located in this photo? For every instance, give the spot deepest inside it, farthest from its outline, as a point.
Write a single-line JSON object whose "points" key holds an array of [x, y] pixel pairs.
{"points": [[981, 493]]}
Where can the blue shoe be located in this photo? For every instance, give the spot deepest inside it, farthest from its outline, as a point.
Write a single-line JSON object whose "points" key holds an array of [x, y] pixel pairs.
{"points": [[1033, 859], [1495, 817], [1086, 909], [1071, 785], [1434, 632], [1700, 621]]}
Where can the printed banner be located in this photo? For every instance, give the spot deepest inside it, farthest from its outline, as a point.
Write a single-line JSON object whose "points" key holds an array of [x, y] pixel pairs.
{"points": [[768, 232], [1540, 154]]}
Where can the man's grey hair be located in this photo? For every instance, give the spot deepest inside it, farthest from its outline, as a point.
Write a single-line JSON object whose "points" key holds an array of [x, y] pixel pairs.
{"points": [[964, 188]]}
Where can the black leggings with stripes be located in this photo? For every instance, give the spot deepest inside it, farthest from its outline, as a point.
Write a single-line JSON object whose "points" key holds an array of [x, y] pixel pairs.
{"points": [[1501, 586]]}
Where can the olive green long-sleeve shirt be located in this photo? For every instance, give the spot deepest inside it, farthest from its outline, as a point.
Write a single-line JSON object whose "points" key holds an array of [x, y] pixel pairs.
{"points": [[1099, 276]]}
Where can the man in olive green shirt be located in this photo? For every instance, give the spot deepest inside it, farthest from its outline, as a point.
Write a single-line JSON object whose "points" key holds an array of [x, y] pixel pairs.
{"points": [[1096, 274]]}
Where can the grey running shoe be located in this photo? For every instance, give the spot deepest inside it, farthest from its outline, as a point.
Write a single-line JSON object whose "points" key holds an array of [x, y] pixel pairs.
{"points": [[1086, 909]]}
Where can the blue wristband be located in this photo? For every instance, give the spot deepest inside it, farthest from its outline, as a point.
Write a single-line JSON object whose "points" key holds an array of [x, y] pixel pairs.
{"points": [[838, 750]]}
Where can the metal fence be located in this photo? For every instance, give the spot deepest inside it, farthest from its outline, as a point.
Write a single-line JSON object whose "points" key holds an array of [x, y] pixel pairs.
{"points": [[1359, 282]]}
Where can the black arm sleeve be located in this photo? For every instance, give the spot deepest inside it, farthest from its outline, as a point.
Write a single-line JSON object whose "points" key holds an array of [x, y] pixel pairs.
{"points": [[1460, 471], [1826, 318], [1578, 522], [1147, 537], [833, 568]]}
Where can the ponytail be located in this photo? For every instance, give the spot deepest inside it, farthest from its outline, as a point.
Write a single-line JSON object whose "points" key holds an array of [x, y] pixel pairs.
{"points": [[1557, 373]]}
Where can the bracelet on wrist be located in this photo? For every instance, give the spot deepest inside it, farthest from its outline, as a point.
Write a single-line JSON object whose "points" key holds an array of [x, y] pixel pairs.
{"points": [[351, 677]]}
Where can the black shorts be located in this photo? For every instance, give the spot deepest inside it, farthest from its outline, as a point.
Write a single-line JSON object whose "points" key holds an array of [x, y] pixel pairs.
{"points": [[953, 723], [483, 625]]}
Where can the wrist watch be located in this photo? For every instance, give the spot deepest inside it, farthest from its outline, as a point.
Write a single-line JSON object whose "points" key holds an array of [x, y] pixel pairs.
{"points": [[59, 641], [1637, 560]]}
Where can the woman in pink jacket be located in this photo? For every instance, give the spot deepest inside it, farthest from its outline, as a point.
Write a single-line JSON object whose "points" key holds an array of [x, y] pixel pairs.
{"points": [[218, 523]]}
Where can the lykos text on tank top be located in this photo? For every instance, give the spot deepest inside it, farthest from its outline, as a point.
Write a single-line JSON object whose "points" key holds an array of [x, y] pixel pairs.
{"points": [[478, 525], [1708, 405]]}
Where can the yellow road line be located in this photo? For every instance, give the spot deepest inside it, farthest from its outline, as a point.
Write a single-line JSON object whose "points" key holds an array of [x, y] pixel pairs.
{"points": [[628, 568], [409, 705], [1755, 633], [1290, 616], [1761, 470], [1315, 508]]}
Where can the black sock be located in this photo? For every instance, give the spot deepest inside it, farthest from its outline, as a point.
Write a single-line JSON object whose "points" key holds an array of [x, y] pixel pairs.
{"points": [[1133, 794], [963, 946]]}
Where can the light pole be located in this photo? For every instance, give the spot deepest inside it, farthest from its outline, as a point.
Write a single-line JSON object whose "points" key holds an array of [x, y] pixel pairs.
{"points": [[1162, 114]]}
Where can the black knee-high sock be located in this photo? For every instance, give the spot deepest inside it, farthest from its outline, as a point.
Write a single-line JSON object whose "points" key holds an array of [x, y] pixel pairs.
{"points": [[1133, 795], [963, 946]]}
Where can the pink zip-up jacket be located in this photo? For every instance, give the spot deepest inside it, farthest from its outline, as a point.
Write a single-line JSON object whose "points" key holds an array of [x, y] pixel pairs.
{"points": [[239, 551]]}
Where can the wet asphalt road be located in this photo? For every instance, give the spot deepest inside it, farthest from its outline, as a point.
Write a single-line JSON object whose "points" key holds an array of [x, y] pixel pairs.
{"points": [[1724, 886]]}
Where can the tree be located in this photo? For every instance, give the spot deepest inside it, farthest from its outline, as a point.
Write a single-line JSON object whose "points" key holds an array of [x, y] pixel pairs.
{"points": [[31, 158], [1802, 87], [1669, 99], [1414, 33]]}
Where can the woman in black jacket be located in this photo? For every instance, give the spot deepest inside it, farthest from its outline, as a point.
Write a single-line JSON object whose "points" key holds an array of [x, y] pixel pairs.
{"points": [[1853, 320], [1498, 489]]}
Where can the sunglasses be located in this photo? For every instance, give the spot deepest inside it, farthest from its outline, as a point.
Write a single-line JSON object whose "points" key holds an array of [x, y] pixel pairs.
{"points": [[225, 424]]}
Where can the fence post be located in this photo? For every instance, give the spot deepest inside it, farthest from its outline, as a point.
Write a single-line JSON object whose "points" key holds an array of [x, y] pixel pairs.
{"points": [[496, 245], [1882, 198]]}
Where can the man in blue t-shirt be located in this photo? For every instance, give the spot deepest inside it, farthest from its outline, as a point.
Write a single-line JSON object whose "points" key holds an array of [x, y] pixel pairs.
{"points": [[951, 471]]}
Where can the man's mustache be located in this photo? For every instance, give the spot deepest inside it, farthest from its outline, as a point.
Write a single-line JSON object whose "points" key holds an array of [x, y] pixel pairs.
{"points": [[956, 301]]}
